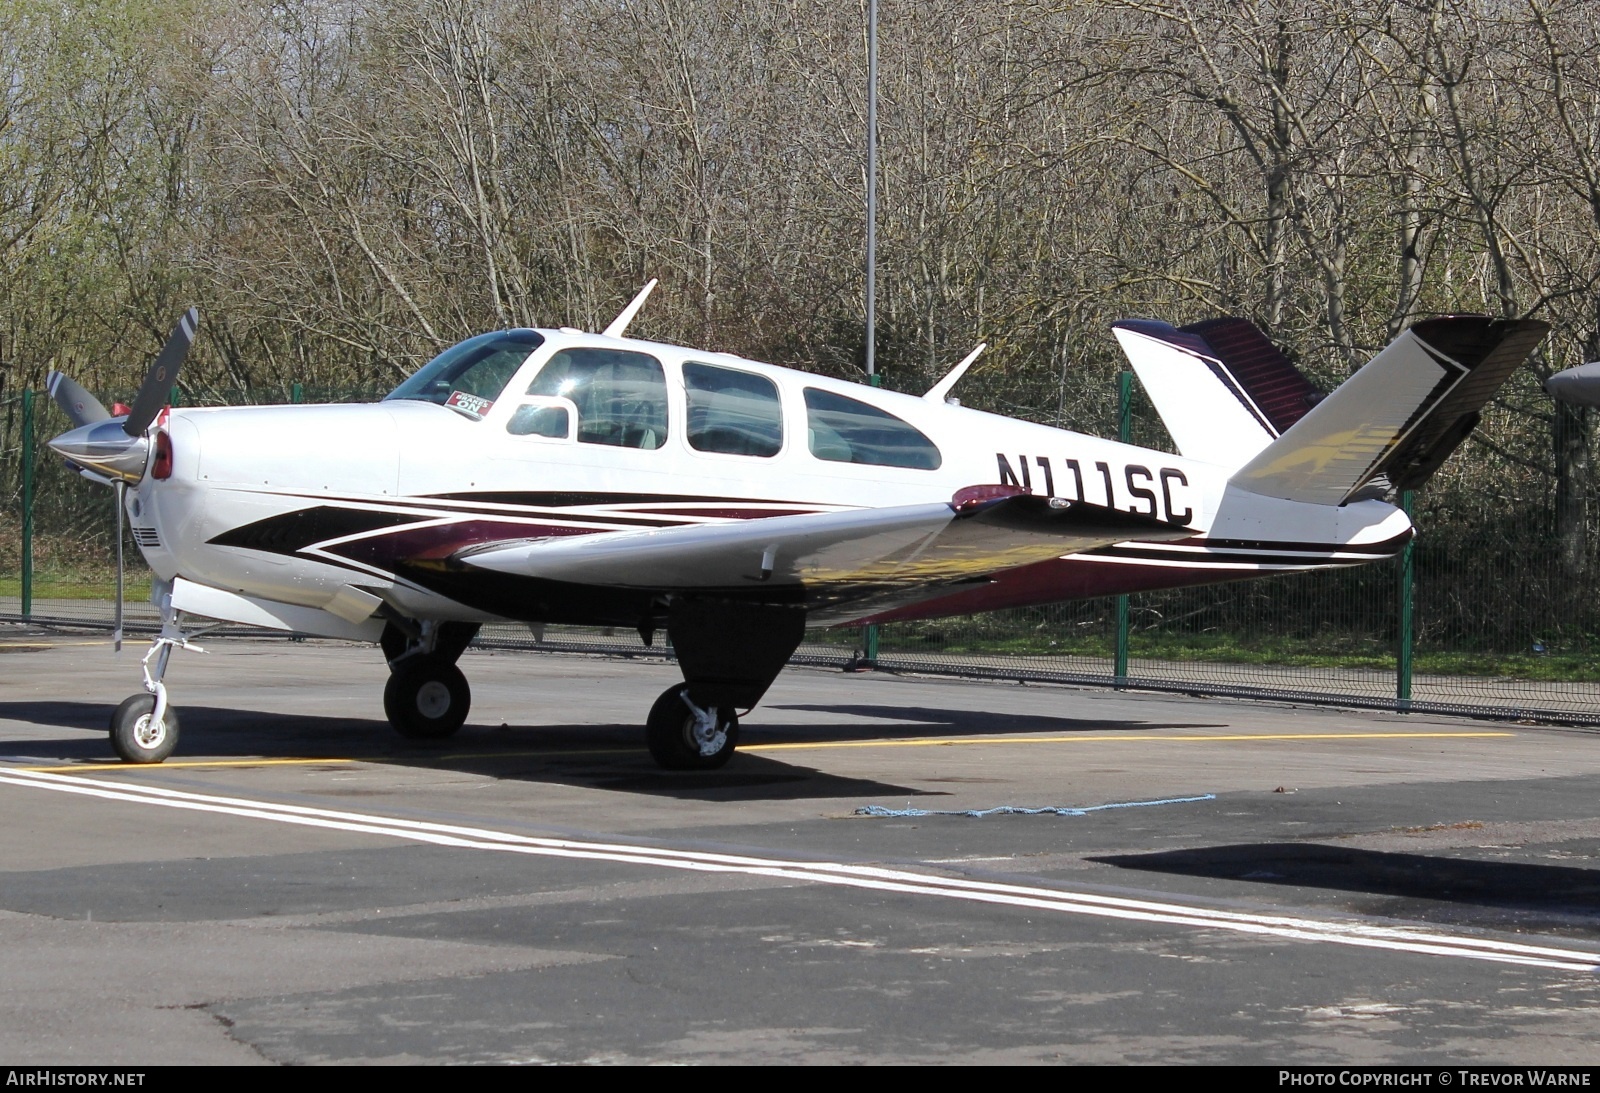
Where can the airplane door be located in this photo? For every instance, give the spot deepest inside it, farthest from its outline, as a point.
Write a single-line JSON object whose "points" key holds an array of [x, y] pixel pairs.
{"points": [[595, 420]]}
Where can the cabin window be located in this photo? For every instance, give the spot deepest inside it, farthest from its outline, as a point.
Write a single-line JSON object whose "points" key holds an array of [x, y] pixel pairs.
{"points": [[844, 430], [621, 396], [540, 419], [469, 376], [732, 412]]}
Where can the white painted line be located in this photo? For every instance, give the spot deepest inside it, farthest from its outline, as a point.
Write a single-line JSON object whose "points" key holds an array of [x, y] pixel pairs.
{"points": [[841, 874]]}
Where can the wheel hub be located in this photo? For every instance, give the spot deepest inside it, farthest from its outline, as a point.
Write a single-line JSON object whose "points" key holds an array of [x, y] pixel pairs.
{"points": [[433, 700], [149, 733], [707, 733]]}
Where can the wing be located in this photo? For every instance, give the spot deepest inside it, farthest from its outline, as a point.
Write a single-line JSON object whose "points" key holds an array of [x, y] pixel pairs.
{"points": [[832, 556]]}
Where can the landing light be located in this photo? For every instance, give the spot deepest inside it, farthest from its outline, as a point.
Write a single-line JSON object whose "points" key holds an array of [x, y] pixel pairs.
{"points": [[161, 466]]}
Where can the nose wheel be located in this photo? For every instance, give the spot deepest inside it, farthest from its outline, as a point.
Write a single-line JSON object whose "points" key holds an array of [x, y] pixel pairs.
{"points": [[684, 736], [139, 734], [426, 698]]}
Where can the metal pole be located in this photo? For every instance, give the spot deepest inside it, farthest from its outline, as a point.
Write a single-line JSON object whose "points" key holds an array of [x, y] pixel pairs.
{"points": [[869, 635], [1408, 580], [1124, 434], [27, 503], [872, 191]]}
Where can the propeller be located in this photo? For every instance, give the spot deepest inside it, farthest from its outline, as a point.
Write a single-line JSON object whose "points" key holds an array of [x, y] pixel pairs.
{"points": [[112, 450], [162, 375], [80, 406]]}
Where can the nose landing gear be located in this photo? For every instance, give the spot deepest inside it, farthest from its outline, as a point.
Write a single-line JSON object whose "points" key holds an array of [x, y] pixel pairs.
{"points": [[144, 729]]}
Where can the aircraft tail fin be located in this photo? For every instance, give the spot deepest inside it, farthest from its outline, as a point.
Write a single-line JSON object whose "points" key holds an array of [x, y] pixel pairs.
{"points": [[1399, 416], [1222, 389]]}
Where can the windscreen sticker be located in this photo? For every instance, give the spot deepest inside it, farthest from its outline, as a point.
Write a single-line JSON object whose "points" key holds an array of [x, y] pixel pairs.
{"points": [[471, 404]]}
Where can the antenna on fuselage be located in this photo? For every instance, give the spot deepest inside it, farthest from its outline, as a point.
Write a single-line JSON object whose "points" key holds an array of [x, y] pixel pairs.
{"points": [[625, 316], [938, 391]]}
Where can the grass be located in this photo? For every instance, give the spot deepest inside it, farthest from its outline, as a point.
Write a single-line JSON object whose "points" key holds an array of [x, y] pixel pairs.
{"points": [[80, 586], [1327, 651]]}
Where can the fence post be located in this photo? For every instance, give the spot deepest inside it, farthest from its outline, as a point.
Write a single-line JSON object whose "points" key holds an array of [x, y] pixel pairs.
{"points": [[1402, 680], [1125, 434], [27, 503]]}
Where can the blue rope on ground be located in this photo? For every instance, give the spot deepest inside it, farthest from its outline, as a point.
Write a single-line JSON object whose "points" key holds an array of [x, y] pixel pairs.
{"points": [[1019, 810]]}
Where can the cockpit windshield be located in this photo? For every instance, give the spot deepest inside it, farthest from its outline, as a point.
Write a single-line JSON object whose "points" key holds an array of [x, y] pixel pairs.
{"points": [[470, 375]]}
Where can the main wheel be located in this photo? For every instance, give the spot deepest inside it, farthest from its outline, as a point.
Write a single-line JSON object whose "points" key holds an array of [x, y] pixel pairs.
{"points": [[680, 738], [137, 739], [426, 698]]}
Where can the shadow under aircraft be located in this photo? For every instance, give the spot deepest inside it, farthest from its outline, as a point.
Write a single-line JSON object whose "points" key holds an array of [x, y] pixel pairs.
{"points": [[1429, 887]]}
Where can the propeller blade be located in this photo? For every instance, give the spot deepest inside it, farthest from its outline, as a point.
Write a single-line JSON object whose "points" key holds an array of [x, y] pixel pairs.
{"points": [[116, 634], [80, 406], [163, 373]]}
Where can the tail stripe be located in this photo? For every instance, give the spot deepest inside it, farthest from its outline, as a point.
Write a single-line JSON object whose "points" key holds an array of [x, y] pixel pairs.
{"points": [[1265, 375]]}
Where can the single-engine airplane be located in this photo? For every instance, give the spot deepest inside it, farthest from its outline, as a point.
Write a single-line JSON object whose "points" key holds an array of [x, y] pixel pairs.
{"points": [[558, 476]]}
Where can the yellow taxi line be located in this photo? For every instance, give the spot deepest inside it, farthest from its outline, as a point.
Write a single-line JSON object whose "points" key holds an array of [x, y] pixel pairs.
{"points": [[48, 644], [937, 742], [917, 742], [100, 766]]}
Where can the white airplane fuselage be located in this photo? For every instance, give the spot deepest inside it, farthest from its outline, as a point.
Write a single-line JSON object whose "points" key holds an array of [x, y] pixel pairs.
{"points": [[386, 493]]}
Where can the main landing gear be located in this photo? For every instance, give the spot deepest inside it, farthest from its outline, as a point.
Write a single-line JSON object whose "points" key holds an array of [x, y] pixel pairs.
{"points": [[729, 651], [427, 697], [684, 736]]}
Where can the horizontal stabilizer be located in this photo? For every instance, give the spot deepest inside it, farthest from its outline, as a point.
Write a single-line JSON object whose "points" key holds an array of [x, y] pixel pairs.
{"points": [[1222, 389], [1399, 416], [981, 531]]}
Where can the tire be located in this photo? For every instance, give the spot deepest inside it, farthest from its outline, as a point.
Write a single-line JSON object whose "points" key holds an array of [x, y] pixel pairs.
{"points": [[670, 734], [426, 698], [134, 739]]}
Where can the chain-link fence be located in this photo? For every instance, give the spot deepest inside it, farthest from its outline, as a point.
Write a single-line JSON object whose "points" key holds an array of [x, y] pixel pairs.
{"points": [[1503, 620]]}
